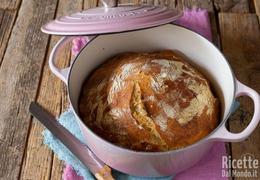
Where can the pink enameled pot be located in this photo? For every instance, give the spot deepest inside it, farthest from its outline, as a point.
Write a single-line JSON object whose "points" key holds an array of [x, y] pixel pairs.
{"points": [[202, 54]]}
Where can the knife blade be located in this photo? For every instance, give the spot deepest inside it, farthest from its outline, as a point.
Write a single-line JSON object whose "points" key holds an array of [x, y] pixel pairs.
{"points": [[80, 150]]}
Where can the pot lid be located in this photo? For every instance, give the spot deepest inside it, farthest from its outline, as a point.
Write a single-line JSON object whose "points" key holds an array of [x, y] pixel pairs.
{"points": [[109, 19]]}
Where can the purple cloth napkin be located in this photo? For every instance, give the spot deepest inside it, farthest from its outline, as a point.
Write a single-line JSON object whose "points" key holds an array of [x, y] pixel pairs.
{"points": [[210, 167], [196, 20], [70, 174]]}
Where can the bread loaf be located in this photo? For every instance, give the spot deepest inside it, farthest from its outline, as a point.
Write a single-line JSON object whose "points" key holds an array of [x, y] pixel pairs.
{"points": [[148, 102]]}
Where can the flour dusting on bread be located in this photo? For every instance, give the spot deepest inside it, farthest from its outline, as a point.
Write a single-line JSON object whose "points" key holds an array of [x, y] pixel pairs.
{"points": [[149, 102]]}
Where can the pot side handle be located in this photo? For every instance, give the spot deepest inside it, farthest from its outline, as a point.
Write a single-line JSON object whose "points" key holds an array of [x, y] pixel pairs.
{"points": [[60, 73], [223, 134], [63, 73]]}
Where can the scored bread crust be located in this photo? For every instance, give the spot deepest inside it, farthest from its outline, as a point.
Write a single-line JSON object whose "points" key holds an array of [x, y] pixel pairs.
{"points": [[148, 102]]}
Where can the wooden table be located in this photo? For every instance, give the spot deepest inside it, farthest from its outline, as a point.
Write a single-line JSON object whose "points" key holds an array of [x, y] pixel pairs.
{"points": [[25, 75]]}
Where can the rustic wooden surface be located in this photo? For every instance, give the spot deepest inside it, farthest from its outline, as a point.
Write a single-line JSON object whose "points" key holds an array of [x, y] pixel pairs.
{"points": [[241, 47], [20, 73], [235, 6], [10, 4], [25, 75], [7, 18]]}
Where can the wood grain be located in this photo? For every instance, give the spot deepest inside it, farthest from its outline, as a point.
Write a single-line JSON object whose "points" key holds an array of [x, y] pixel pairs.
{"points": [[19, 77], [57, 168], [147, 1], [10, 4], [240, 42], [169, 4], [38, 158], [39, 161], [205, 4], [128, 1], [232, 6], [90, 4], [7, 18]]}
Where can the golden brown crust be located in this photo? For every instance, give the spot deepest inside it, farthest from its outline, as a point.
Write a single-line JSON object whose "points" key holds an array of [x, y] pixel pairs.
{"points": [[149, 102]]}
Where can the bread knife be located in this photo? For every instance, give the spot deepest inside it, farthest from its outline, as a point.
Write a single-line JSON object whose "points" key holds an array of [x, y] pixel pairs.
{"points": [[80, 150]]}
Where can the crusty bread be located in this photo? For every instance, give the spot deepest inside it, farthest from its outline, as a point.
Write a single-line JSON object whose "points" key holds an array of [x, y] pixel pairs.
{"points": [[148, 102]]}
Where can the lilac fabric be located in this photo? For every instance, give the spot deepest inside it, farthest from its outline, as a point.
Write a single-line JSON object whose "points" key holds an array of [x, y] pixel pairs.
{"points": [[210, 167], [77, 44], [70, 174], [196, 20]]}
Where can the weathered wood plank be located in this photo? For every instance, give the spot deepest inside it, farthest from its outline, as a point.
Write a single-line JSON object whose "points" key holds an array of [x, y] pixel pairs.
{"points": [[171, 3], [19, 77], [164, 3], [147, 1], [232, 6], [57, 168], [1, 15], [128, 2], [90, 4], [10, 4], [205, 4], [38, 157], [240, 37], [39, 161], [7, 18]]}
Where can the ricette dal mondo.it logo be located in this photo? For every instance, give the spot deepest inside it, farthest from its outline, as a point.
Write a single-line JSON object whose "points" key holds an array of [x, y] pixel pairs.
{"points": [[246, 166]]}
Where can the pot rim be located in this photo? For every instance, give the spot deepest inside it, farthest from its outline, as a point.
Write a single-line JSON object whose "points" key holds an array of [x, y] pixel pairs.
{"points": [[203, 140]]}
